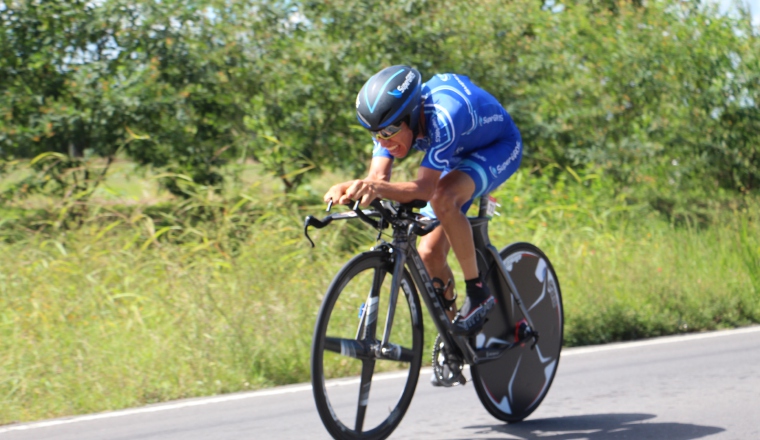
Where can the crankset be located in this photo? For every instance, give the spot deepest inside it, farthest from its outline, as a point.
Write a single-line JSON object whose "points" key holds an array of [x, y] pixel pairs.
{"points": [[447, 367]]}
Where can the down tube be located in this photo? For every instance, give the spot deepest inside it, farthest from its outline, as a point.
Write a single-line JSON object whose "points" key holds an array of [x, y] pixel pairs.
{"points": [[422, 280]]}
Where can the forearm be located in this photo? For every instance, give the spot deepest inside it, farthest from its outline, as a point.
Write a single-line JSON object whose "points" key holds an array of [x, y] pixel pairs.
{"points": [[403, 192], [376, 185], [380, 169]]}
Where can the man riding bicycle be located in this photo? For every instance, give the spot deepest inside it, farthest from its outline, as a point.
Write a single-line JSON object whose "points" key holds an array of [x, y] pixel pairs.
{"points": [[471, 146]]}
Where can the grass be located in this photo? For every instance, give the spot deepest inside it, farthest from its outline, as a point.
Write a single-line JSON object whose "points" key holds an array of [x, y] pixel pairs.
{"points": [[144, 303]]}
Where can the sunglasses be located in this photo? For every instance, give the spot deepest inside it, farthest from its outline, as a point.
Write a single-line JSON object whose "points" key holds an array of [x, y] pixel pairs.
{"points": [[387, 132]]}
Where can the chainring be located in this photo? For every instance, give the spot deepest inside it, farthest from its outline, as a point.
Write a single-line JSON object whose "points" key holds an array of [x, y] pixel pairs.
{"points": [[446, 367]]}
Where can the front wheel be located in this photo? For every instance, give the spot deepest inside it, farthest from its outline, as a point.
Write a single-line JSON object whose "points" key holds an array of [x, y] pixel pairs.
{"points": [[346, 343], [513, 386]]}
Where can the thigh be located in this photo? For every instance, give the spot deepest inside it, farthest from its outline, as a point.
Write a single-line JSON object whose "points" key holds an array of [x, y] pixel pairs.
{"points": [[455, 187], [488, 168], [491, 166]]}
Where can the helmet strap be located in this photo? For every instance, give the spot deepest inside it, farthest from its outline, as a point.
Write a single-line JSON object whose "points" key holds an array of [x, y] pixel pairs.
{"points": [[419, 127]]}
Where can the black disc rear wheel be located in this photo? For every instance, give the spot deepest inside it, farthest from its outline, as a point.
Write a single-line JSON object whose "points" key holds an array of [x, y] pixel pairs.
{"points": [[345, 343], [513, 386]]}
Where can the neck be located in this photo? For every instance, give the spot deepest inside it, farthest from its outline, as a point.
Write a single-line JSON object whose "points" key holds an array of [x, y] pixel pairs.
{"points": [[421, 125]]}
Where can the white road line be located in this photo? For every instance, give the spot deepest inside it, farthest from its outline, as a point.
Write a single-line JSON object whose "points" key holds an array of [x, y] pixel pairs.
{"points": [[287, 389], [658, 341], [351, 381]]}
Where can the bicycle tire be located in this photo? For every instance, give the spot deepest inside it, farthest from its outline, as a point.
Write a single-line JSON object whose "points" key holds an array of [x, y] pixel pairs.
{"points": [[373, 269], [513, 386]]}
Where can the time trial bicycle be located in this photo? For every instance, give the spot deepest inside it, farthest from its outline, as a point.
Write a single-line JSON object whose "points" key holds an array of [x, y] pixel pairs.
{"points": [[513, 359]]}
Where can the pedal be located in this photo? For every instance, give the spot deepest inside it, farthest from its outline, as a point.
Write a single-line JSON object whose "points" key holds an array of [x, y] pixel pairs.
{"points": [[461, 379]]}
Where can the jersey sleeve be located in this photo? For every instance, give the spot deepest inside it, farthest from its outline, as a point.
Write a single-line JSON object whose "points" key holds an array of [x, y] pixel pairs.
{"points": [[379, 151], [448, 118]]}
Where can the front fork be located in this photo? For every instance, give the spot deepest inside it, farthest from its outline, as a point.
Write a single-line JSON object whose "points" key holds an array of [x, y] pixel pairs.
{"points": [[399, 260]]}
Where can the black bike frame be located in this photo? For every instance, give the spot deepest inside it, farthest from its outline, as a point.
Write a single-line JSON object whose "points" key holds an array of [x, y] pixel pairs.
{"points": [[405, 251]]}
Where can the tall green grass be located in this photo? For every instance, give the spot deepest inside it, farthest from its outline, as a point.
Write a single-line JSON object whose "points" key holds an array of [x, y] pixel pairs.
{"points": [[627, 272], [141, 304]]}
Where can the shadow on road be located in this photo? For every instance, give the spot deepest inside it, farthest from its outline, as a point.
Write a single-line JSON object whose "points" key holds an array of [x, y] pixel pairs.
{"points": [[595, 427]]}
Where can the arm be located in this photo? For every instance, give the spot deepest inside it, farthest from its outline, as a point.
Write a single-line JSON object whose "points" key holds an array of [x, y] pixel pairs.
{"points": [[369, 189], [379, 170]]}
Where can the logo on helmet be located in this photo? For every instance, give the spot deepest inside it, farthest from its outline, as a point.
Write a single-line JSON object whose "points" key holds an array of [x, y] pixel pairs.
{"points": [[407, 81], [395, 93]]}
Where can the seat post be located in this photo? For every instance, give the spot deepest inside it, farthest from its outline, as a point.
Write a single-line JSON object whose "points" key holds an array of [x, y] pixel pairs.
{"points": [[483, 206]]}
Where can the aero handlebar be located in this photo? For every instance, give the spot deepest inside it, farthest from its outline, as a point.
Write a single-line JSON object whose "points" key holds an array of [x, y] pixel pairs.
{"points": [[397, 215]]}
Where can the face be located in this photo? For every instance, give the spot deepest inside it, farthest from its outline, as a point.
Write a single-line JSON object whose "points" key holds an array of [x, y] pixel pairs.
{"points": [[400, 143]]}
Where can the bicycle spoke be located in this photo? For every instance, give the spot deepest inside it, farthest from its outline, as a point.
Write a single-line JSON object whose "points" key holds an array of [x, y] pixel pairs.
{"points": [[407, 355], [399, 353], [368, 368], [348, 347]]}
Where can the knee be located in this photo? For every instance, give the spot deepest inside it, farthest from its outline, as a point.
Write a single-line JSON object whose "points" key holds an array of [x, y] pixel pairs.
{"points": [[444, 203], [432, 256]]}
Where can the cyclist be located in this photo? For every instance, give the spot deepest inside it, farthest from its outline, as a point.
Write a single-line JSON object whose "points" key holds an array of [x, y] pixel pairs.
{"points": [[471, 146]]}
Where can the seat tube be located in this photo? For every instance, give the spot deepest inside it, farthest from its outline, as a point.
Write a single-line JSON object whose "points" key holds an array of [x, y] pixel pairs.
{"points": [[479, 225]]}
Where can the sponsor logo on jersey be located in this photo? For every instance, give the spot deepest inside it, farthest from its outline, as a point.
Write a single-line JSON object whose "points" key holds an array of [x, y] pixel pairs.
{"points": [[503, 166], [494, 118], [479, 157], [466, 90], [443, 77], [440, 122]]}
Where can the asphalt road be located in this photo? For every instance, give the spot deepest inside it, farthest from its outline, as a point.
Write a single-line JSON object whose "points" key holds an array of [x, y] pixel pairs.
{"points": [[677, 388]]}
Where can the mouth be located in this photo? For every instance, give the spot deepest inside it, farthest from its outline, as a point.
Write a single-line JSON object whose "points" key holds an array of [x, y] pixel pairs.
{"points": [[394, 150]]}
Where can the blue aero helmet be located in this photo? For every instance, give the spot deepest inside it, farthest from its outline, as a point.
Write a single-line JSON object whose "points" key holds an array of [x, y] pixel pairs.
{"points": [[390, 97]]}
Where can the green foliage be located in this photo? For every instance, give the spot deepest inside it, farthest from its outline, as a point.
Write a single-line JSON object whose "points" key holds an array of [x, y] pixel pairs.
{"points": [[76, 78], [663, 94]]}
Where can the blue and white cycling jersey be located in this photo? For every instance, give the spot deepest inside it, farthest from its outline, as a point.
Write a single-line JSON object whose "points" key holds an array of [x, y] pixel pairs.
{"points": [[468, 130]]}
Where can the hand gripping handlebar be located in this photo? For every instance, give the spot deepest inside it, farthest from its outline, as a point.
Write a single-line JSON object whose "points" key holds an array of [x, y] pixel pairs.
{"points": [[400, 215]]}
